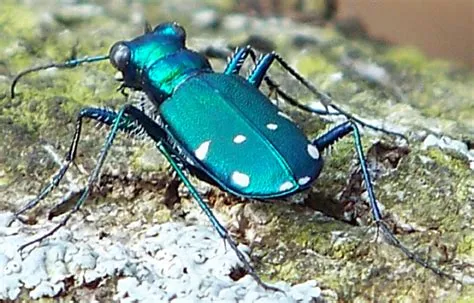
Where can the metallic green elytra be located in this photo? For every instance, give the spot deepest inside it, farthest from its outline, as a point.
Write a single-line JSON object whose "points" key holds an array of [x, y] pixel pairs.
{"points": [[244, 142]]}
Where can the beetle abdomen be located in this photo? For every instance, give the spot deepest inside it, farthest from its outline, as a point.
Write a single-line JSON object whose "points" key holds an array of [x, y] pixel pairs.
{"points": [[240, 138]]}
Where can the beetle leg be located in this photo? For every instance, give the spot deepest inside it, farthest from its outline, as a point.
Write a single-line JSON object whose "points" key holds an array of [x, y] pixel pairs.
{"points": [[260, 69], [259, 74], [103, 116], [331, 137], [236, 60]]}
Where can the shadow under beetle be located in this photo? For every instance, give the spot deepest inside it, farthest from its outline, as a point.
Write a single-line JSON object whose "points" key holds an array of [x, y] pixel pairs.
{"points": [[218, 127]]}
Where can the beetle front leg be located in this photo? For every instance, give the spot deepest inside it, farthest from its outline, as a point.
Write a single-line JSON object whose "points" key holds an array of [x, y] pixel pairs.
{"points": [[342, 130], [69, 159], [98, 114], [103, 116]]}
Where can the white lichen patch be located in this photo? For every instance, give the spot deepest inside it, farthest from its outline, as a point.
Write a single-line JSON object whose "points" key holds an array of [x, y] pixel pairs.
{"points": [[158, 263]]}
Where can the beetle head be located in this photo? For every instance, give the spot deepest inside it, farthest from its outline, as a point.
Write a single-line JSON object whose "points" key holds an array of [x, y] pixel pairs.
{"points": [[132, 57]]}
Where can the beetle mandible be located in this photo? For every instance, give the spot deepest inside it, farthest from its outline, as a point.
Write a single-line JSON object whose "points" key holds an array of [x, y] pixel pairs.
{"points": [[217, 126]]}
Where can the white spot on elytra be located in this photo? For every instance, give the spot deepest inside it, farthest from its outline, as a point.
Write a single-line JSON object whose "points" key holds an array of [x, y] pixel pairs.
{"points": [[304, 180], [239, 139], [282, 114], [202, 150], [272, 126], [313, 151], [286, 185], [240, 179]]}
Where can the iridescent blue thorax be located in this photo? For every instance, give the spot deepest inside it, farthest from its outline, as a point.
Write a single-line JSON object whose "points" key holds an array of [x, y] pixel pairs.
{"points": [[158, 61]]}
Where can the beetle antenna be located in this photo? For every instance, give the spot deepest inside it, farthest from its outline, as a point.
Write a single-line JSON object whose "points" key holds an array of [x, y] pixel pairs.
{"points": [[67, 64]]}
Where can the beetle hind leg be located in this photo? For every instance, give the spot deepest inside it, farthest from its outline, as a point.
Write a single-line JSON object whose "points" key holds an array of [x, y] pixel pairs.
{"points": [[258, 75], [331, 137]]}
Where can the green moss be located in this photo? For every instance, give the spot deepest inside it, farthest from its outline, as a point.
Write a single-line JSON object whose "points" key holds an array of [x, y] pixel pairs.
{"points": [[16, 21], [454, 162], [309, 65], [466, 245], [431, 192], [407, 57], [466, 296]]}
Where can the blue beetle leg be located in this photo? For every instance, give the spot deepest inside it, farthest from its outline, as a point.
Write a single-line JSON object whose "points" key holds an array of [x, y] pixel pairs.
{"points": [[117, 123], [99, 114], [263, 64], [236, 60], [215, 223], [343, 130], [326, 100], [67, 64], [261, 68], [70, 156]]}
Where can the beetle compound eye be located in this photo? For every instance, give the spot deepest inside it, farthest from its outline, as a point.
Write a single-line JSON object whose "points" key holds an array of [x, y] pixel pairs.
{"points": [[120, 55]]}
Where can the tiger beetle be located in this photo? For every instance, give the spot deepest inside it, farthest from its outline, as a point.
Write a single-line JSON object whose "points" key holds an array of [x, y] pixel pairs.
{"points": [[218, 127]]}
